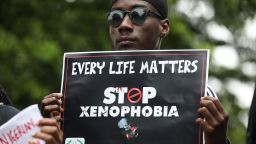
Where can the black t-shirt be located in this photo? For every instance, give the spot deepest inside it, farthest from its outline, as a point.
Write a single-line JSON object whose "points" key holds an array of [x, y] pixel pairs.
{"points": [[6, 113]]}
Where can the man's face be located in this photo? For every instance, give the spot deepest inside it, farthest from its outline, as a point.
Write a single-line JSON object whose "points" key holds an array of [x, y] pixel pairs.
{"points": [[129, 36]]}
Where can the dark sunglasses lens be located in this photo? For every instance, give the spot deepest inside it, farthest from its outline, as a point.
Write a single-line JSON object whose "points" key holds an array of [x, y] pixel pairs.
{"points": [[138, 15], [115, 18]]}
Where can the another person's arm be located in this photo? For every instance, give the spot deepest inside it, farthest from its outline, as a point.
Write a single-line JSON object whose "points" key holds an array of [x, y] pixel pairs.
{"points": [[50, 132]]}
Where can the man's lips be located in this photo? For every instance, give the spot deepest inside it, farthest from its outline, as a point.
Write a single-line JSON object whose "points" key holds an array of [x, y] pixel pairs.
{"points": [[126, 40]]}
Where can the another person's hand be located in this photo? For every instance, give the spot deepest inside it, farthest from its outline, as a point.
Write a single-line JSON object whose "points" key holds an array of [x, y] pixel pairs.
{"points": [[51, 106], [214, 120], [50, 132]]}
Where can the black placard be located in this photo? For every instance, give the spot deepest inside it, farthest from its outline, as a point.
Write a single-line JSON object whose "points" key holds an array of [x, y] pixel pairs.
{"points": [[133, 97]]}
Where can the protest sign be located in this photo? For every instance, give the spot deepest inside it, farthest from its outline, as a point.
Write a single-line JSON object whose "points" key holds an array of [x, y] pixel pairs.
{"points": [[131, 97], [19, 129]]}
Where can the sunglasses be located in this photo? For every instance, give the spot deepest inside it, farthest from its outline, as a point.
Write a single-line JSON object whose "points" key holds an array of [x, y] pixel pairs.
{"points": [[137, 16]]}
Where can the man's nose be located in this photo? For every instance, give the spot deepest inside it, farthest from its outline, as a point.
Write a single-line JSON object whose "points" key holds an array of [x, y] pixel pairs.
{"points": [[126, 24]]}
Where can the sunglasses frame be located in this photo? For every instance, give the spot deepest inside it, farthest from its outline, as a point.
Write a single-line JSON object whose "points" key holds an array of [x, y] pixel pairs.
{"points": [[124, 13]]}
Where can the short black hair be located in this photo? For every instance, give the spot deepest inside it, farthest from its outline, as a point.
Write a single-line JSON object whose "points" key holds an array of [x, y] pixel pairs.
{"points": [[4, 98]]}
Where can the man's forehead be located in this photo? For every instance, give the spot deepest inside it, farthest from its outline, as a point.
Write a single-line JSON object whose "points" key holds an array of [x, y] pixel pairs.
{"points": [[161, 6], [129, 4]]}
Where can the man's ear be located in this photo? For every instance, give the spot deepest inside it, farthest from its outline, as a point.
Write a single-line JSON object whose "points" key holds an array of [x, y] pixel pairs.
{"points": [[164, 28]]}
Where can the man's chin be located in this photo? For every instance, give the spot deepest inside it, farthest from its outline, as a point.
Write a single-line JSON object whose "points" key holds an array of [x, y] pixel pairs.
{"points": [[127, 47]]}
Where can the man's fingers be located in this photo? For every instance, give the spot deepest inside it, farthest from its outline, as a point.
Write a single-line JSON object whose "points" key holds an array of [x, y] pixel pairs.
{"points": [[214, 120], [48, 122], [58, 118], [204, 125], [48, 110], [33, 141], [57, 95], [220, 108], [56, 115], [52, 99], [49, 139], [209, 104], [51, 108], [208, 116], [50, 131], [50, 103]]}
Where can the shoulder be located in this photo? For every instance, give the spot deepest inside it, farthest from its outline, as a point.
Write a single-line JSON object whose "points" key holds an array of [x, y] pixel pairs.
{"points": [[7, 112]]}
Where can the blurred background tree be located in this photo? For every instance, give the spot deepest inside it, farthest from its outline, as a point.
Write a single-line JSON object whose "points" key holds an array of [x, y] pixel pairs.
{"points": [[35, 34]]}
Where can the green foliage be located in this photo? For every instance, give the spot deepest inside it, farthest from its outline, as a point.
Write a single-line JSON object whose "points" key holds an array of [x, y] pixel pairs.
{"points": [[35, 34]]}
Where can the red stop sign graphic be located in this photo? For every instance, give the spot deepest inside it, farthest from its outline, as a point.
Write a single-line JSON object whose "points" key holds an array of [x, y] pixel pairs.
{"points": [[134, 95]]}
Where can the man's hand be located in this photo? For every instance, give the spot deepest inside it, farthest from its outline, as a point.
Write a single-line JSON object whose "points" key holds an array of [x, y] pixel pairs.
{"points": [[214, 120], [50, 132], [51, 106]]}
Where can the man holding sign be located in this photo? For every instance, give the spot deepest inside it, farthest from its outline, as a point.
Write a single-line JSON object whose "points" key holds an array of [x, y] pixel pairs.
{"points": [[141, 25]]}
